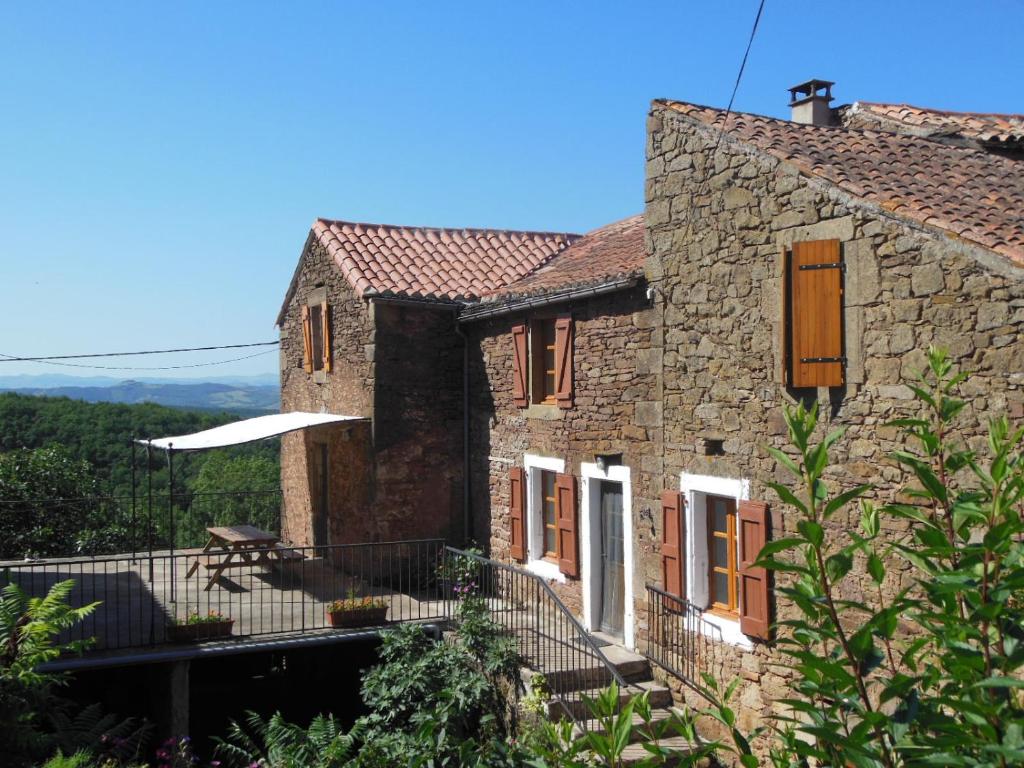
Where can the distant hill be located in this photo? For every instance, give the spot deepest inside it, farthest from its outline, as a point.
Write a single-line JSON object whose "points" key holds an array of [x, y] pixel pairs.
{"points": [[100, 432], [237, 398]]}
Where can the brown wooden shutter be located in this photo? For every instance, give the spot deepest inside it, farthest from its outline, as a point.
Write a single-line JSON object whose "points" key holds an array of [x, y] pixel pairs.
{"points": [[755, 617], [307, 341], [784, 336], [520, 367], [673, 546], [565, 514], [563, 361], [325, 332], [517, 513], [816, 302]]}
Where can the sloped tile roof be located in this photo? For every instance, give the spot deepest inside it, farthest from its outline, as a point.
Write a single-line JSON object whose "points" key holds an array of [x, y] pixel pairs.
{"points": [[434, 264], [989, 128], [614, 250], [965, 191]]}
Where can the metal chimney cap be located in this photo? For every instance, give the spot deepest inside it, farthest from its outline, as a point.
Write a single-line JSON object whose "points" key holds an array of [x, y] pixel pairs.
{"points": [[808, 90]]}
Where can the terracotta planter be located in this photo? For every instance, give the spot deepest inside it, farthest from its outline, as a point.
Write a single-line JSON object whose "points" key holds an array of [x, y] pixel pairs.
{"points": [[207, 630], [357, 617]]}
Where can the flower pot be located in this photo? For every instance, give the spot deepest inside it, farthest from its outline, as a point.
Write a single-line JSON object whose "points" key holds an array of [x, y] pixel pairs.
{"points": [[206, 630], [357, 617]]}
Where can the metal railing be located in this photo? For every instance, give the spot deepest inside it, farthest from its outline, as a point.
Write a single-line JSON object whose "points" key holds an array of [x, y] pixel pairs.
{"points": [[549, 638], [108, 525], [674, 638], [264, 591]]}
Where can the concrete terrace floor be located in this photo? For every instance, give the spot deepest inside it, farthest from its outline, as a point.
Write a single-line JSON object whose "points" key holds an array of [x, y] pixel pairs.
{"points": [[140, 596]]}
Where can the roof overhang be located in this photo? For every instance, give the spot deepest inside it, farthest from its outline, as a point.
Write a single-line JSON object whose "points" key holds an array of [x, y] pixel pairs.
{"points": [[247, 431], [493, 309]]}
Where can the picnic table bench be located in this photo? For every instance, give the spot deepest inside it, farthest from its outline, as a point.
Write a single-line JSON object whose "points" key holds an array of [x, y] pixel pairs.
{"points": [[240, 546]]}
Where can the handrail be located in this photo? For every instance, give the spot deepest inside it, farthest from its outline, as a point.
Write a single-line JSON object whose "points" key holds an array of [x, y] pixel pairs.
{"points": [[582, 637], [672, 640]]}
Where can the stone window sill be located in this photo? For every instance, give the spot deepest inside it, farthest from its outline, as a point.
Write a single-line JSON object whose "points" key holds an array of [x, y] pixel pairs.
{"points": [[545, 412]]}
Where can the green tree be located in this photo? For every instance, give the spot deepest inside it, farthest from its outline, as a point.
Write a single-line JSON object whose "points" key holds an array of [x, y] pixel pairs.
{"points": [[48, 505], [230, 490]]}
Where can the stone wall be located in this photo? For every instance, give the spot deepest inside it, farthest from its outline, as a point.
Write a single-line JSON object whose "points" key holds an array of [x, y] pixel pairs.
{"points": [[614, 359], [399, 367], [714, 252]]}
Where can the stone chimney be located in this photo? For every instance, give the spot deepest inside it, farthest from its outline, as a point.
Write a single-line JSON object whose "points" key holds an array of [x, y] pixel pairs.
{"points": [[809, 102]]}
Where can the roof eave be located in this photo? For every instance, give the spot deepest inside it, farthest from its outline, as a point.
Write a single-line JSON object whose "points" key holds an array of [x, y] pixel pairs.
{"points": [[485, 310]]}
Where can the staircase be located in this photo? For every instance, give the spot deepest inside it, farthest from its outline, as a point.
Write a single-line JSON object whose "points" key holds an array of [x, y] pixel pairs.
{"points": [[575, 665]]}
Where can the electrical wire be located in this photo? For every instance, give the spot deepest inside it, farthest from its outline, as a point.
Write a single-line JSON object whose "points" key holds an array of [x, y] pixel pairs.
{"points": [[144, 368], [41, 358]]}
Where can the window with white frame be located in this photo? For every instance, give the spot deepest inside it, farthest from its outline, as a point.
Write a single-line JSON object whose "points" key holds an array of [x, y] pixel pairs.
{"points": [[541, 511], [712, 552]]}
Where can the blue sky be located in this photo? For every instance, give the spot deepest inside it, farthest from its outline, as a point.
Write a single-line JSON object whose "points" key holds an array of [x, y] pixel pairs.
{"points": [[160, 164]]}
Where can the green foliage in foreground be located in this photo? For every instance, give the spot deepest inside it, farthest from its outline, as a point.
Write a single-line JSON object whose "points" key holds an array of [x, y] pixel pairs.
{"points": [[919, 671], [34, 720]]}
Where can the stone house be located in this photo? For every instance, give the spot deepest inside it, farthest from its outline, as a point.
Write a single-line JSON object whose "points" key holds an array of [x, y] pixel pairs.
{"points": [[593, 407]]}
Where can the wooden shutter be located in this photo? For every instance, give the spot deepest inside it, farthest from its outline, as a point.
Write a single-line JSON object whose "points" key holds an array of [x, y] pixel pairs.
{"points": [[784, 336], [325, 333], [673, 546], [307, 341], [565, 514], [563, 361], [520, 367], [517, 513], [816, 310], [755, 617]]}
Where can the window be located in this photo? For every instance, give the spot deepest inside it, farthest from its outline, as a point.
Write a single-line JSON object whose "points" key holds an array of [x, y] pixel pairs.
{"points": [[710, 540], [316, 336], [542, 369], [722, 574], [543, 517], [542, 362], [549, 514], [813, 349]]}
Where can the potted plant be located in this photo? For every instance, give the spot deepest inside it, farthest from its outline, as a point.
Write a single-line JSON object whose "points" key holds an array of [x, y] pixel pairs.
{"points": [[357, 611], [460, 574], [196, 626]]}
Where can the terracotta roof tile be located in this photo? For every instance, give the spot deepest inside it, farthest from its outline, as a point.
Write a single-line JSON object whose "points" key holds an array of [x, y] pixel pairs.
{"points": [[434, 264], [611, 251], [988, 128], [970, 192]]}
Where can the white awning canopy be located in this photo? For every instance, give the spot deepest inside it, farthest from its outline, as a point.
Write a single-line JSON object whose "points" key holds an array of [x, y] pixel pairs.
{"points": [[246, 431]]}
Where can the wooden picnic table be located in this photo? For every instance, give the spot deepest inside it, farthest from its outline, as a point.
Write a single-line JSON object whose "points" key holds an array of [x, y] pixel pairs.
{"points": [[239, 546]]}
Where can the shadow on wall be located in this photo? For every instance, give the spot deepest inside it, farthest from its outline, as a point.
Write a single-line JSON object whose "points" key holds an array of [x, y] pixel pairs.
{"points": [[417, 434], [482, 414]]}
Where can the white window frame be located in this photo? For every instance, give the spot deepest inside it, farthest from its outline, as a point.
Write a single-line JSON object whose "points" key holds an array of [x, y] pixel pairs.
{"points": [[696, 489], [535, 561], [590, 544]]}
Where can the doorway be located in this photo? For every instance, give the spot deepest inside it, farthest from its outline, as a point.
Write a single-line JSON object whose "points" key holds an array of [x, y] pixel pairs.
{"points": [[612, 566]]}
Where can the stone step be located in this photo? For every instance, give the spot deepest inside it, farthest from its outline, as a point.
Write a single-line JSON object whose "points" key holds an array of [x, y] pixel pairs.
{"points": [[659, 697], [632, 667], [636, 753], [641, 729]]}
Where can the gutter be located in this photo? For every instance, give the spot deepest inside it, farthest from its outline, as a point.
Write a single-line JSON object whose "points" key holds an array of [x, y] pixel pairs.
{"points": [[481, 311], [213, 650]]}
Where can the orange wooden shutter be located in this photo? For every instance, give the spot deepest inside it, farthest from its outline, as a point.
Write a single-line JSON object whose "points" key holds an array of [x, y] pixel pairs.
{"points": [[754, 599], [784, 337], [517, 513], [325, 333], [563, 361], [307, 341], [816, 301], [520, 366], [673, 545], [565, 513]]}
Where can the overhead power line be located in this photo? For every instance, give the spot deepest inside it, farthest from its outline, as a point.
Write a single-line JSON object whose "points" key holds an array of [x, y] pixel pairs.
{"points": [[42, 358], [147, 368]]}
